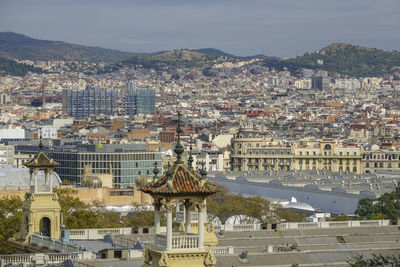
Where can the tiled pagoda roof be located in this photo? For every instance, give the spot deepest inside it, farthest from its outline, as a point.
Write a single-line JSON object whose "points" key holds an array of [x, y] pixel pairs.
{"points": [[180, 182]]}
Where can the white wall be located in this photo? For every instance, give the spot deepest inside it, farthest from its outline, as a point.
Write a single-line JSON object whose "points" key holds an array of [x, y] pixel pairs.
{"points": [[12, 133]]}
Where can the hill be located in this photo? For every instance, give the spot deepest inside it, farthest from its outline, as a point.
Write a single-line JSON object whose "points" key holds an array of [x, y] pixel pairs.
{"points": [[213, 51], [11, 67], [178, 58], [343, 58], [18, 46]]}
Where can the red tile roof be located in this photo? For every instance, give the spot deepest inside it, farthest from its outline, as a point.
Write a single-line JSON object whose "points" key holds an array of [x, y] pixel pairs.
{"points": [[182, 182]]}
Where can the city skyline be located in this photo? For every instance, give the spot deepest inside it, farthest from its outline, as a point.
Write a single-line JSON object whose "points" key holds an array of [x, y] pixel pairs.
{"points": [[273, 28]]}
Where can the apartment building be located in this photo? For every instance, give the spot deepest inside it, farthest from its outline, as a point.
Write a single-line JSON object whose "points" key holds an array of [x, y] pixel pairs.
{"points": [[313, 154], [377, 158], [252, 152]]}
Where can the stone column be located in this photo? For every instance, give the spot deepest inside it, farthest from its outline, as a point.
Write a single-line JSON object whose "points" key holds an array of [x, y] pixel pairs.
{"points": [[169, 208], [51, 180], [35, 171], [30, 177], [46, 176], [201, 210], [188, 219], [157, 207]]}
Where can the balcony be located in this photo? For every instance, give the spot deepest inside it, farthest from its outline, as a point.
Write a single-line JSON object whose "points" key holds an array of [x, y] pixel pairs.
{"points": [[179, 241]]}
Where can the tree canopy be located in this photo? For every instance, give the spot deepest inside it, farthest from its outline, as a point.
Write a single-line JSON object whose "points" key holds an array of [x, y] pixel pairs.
{"points": [[387, 206], [375, 260], [255, 209], [10, 221]]}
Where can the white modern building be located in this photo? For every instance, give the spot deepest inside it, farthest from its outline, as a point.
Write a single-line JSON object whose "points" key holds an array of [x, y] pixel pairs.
{"points": [[12, 133]]}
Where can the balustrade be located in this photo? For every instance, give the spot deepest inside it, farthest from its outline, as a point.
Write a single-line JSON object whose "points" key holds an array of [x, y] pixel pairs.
{"points": [[179, 241], [50, 258]]}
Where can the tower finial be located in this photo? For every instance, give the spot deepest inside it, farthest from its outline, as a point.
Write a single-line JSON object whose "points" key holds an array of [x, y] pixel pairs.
{"points": [[203, 171], [190, 159], [155, 171], [179, 148], [40, 142], [169, 172]]}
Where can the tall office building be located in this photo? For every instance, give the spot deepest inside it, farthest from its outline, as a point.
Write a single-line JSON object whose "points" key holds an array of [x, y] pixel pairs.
{"points": [[81, 104], [139, 101], [320, 82]]}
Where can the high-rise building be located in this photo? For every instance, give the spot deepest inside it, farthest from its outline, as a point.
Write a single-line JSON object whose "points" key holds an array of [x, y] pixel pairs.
{"points": [[320, 82], [139, 101], [81, 104]]}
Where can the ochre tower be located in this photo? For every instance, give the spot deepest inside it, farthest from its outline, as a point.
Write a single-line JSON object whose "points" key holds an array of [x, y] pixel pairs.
{"points": [[41, 210], [180, 184]]}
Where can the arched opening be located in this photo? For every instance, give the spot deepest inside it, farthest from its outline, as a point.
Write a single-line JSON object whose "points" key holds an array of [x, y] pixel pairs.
{"points": [[327, 147], [45, 226]]}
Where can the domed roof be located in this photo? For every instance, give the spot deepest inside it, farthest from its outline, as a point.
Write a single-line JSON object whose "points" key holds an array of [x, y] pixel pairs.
{"points": [[293, 204], [92, 181]]}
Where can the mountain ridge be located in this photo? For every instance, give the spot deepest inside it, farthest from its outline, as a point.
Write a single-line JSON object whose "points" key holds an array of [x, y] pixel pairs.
{"points": [[22, 47]]}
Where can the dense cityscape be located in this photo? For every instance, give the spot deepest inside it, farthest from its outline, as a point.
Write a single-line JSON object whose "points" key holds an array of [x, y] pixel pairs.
{"points": [[197, 157]]}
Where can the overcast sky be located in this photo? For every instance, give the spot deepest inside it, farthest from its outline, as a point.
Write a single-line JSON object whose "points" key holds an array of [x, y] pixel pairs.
{"points": [[240, 27]]}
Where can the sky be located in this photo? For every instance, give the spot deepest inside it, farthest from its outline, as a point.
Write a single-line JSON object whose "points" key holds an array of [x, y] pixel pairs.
{"points": [[240, 27]]}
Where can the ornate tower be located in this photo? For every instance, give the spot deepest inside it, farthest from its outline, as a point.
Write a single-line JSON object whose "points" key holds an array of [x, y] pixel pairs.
{"points": [[41, 210], [179, 184]]}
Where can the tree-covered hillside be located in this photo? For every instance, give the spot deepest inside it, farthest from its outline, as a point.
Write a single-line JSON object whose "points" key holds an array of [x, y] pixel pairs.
{"points": [[11, 67], [342, 58]]}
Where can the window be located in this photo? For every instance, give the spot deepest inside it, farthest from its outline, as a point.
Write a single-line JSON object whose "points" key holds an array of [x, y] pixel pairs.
{"points": [[117, 254]]}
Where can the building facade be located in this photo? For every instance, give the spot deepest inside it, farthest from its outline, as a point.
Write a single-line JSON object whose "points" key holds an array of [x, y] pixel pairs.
{"points": [[139, 101], [252, 152], [376, 159], [312, 154], [320, 82], [81, 104], [6, 154], [126, 161]]}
